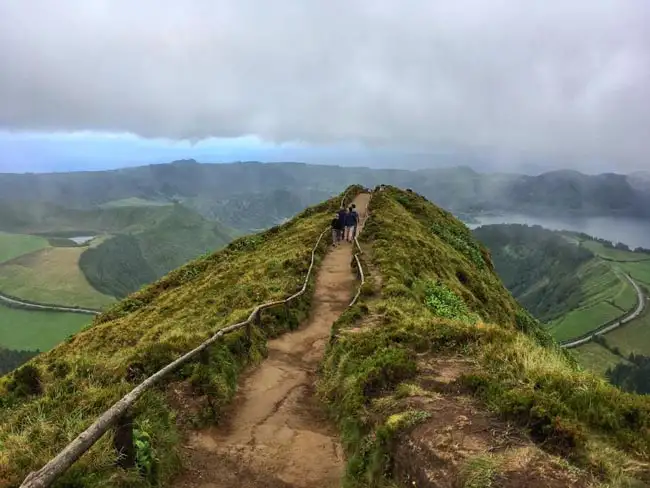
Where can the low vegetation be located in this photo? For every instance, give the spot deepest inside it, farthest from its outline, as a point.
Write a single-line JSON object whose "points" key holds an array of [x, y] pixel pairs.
{"points": [[42, 330], [539, 267], [437, 333], [14, 245], [51, 276], [563, 284], [126, 262], [11, 359], [51, 399], [633, 375], [594, 357]]}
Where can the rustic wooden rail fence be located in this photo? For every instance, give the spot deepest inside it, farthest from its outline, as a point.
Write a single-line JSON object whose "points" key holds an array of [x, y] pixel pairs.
{"points": [[119, 415], [360, 275]]}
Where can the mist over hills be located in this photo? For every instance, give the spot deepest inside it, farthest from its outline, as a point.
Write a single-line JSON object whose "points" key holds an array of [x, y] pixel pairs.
{"points": [[250, 195]]}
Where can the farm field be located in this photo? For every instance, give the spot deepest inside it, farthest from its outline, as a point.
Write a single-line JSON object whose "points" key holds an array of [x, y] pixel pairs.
{"points": [[52, 276], [134, 202], [31, 330], [607, 296], [596, 358], [14, 245], [633, 337], [614, 254]]}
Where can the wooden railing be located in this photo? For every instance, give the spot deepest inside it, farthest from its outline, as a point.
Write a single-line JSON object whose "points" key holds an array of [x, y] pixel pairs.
{"points": [[119, 414], [360, 275]]}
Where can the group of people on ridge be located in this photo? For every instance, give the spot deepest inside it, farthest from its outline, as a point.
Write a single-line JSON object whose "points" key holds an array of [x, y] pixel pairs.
{"points": [[344, 225]]}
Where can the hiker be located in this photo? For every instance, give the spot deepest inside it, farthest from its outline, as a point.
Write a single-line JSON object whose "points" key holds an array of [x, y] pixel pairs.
{"points": [[336, 229], [342, 215], [351, 221]]}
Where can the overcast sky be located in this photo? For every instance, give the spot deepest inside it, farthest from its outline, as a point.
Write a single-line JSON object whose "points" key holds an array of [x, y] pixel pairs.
{"points": [[566, 81]]}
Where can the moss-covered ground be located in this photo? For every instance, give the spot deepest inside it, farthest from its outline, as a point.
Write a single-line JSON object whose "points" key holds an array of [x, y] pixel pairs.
{"points": [[432, 294], [54, 397]]}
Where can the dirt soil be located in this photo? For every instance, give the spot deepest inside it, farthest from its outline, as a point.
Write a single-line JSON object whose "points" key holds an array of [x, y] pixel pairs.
{"points": [[436, 452], [277, 436]]}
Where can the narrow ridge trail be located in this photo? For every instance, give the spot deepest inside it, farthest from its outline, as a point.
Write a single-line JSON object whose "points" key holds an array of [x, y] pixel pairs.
{"points": [[277, 435]]}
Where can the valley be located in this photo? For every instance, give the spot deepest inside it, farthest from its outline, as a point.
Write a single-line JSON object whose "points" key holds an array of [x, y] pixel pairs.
{"points": [[586, 280], [90, 239], [57, 259]]}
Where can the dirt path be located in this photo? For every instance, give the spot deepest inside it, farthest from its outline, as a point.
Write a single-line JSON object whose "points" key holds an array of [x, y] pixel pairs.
{"points": [[278, 436]]}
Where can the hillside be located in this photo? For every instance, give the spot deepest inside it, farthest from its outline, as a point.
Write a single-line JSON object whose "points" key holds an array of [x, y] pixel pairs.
{"points": [[251, 195], [562, 283], [432, 371], [124, 263], [538, 266], [84, 375], [435, 377]]}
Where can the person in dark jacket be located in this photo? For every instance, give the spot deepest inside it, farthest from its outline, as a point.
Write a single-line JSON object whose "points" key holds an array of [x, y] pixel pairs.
{"points": [[343, 217], [336, 229], [351, 220]]}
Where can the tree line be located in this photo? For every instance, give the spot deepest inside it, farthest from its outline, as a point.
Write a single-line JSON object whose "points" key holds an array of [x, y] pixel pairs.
{"points": [[10, 359]]}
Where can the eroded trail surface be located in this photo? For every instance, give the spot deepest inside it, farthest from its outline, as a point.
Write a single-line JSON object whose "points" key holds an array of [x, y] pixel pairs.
{"points": [[278, 436]]}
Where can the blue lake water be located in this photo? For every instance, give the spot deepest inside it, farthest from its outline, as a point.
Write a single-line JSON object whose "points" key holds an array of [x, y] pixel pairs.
{"points": [[633, 232]]}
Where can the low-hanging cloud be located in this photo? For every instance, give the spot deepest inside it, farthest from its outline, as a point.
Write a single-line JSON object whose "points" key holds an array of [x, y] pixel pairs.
{"points": [[568, 80]]}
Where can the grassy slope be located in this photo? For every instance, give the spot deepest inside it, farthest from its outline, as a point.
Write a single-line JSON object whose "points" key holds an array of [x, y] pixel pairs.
{"points": [[14, 245], [596, 358], [606, 295], [134, 202], [635, 336], [570, 288], [51, 275], [521, 376], [126, 262], [31, 330], [83, 376]]}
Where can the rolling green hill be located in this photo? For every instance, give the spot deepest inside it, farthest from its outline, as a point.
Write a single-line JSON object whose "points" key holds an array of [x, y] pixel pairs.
{"points": [[436, 346], [435, 342], [145, 331], [124, 263], [581, 278], [539, 267], [214, 189], [563, 284]]}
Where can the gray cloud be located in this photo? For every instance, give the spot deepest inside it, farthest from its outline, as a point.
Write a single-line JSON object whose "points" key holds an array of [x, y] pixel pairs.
{"points": [[559, 80]]}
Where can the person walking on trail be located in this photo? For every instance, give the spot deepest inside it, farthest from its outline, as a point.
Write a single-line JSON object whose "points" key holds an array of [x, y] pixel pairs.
{"points": [[336, 229], [343, 217], [351, 221]]}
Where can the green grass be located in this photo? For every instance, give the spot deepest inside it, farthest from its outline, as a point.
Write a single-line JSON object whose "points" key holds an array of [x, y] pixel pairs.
{"points": [[596, 358], [51, 276], [58, 394], [606, 296], [638, 271], [32, 330], [614, 254], [517, 371], [126, 262], [14, 245], [134, 202], [633, 337], [581, 321]]}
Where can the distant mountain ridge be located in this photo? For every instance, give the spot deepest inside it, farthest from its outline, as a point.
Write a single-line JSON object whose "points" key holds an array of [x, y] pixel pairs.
{"points": [[251, 195]]}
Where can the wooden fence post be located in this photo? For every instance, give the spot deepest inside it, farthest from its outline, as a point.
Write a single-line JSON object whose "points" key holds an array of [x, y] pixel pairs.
{"points": [[249, 332], [204, 356], [258, 318], [123, 442]]}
